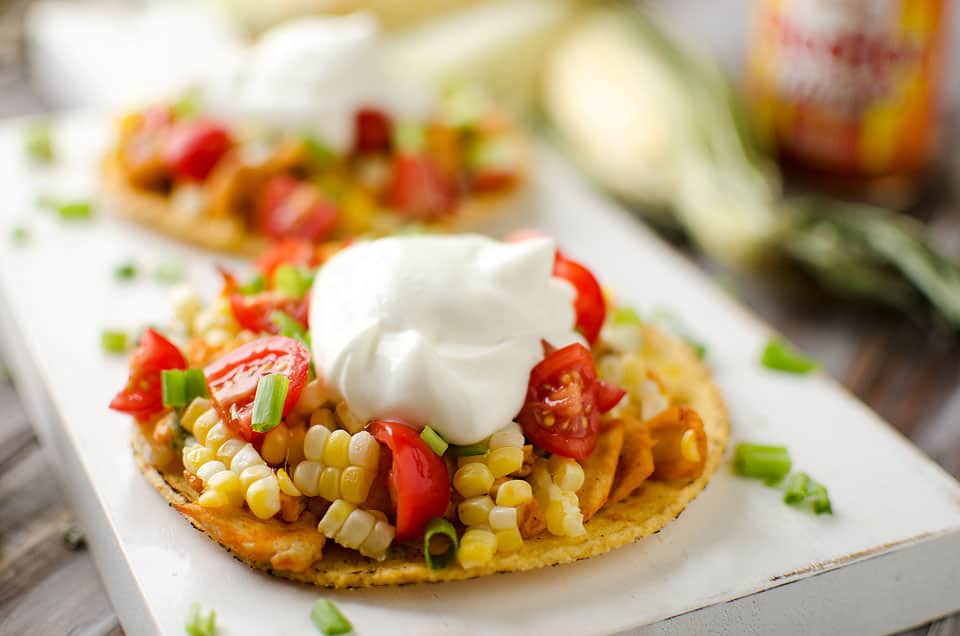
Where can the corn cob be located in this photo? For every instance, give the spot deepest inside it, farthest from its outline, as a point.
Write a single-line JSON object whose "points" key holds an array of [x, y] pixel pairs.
{"points": [[364, 530], [337, 465]]}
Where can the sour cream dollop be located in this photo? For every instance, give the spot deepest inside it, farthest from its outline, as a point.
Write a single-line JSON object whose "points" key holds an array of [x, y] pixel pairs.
{"points": [[311, 75], [438, 331]]}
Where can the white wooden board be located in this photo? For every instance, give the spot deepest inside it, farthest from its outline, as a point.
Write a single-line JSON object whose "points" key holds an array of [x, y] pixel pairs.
{"points": [[736, 561]]}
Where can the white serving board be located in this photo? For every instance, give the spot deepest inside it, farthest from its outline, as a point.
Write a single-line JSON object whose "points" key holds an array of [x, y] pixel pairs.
{"points": [[736, 561]]}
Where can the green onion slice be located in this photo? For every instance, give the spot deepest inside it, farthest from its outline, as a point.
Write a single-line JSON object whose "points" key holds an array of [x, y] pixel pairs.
{"points": [[169, 273], [797, 488], [289, 326], [626, 316], [328, 619], [319, 152], [760, 461], [38, 141], [268, 404], [195, 384], [436, 443], [821, 499], [187, 107], [174, 385], [114, 340], [779, 356], [75, 210], [292, 281], [200, 625], [467, 451], [440, 526], [125, 271], [254, 285], [20, 235]]}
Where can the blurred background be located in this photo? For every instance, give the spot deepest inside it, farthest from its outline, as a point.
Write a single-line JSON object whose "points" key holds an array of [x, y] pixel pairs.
{"points": [[802, 152]]}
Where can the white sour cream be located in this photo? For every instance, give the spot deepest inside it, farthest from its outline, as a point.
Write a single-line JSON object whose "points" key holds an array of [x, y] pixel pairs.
{"points": [[438, 330], [311, 75]]}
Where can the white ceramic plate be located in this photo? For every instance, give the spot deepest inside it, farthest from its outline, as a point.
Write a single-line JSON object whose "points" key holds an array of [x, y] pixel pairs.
{"points": [[737, 539]]}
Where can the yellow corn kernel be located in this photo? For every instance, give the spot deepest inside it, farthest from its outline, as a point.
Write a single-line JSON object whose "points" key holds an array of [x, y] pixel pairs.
{"points": [[477, 547], [203, 424], [503, 517], [314, 442], [312, 397], [509, 540], [252, 474], [245, 458], [567, 473], [507, 437], [473, 479], [515, 492], [306, 476], [505, 460], [286, 484], [475, 511], [355, 529], [217, 436], [689, 447], [378, 541], [228, 483], [364, 451], [196, 456], [198, 407], [274, 448], [328, 486], [295, 445], [556, 518], [323, 417], [210, 469], [263, 497], [351, 422], [573, 521], [229, 448], [333, 519], [213, 499], [355, 484], [471, 459], [336, 452]]}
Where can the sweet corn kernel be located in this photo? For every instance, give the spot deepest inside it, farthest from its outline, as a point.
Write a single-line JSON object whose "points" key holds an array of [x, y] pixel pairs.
{"points": [[475, 511], [355, 529], [505, 460], [306, 476], [263, 497], [196, 456], [203, 424], [508, 437], [286, 484], [333, 519], [228, 483], [229, 448], [323, 417], [376, 544], [477, 547], [515, 492], [217, 436], [556, 518], [295, 445], [312, 397], [210, 469], [245, 458], [314, 442], [503, 517], [509, 540], [351, 422], [689, 447], [355, 484], [336, 452], [213, 499], [252, 474], [364, 451], [328, 486], [567, 473], [473, 479], [198, 407], [274, 448], [471, 459]]}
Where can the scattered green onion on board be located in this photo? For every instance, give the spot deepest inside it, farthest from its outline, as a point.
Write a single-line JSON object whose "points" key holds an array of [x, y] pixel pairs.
{"points": [[779, 356], [200, 625], [328, 619], [75, 210], [125, 271], [436, 443], [38, 141], [467, 451], [802, 489], [770, 463], [626, 316], [114, 341], [254, 285], [268, 403], [20, 235], [292, 281], [174, 388], [442, 527], [169, 273], [797, 487]]}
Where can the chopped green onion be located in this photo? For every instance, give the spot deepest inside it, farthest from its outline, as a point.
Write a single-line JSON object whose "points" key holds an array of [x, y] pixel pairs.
{"points": [[20, 235], [200, 625], [195, 385], [257, 283], [292, 281], [268, 404], [125, 271], [797, 488], [169, 273], [436, 443], [187, 107], [328, 619], [439, 526], [38, 141], [779, 356], [408, 137], [467, 451], [75, 210], [114, 341], [802, 489], [174, 385], [318, 151], [821, 500], [289, 326], [762, 462], [626, 316]]}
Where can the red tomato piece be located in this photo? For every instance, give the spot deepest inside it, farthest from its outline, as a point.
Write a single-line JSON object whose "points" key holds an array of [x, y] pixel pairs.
{"points": [[371, 131], [608, 396], [292, 208], [143, 395], [419, 483], [418, 189], [194, 147], [287, 252], [589, 304], [254, 311], [233, 379]]}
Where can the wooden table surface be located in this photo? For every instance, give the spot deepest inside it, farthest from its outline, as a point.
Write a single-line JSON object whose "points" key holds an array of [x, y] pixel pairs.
{"points": [[907, 373]]}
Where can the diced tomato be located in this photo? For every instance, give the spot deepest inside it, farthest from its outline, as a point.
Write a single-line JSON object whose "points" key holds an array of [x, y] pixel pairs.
{"points": [[292, 208], [254, 311], [371, 131], [419, 483], [589, 304], [194, 147], [418, 189], [233, 379], [143, 397], [287, 252], [564, 402], [492, 179]]}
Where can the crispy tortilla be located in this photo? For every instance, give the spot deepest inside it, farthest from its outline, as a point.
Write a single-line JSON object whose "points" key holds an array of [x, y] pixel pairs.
{"points": [[617, 523]]}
